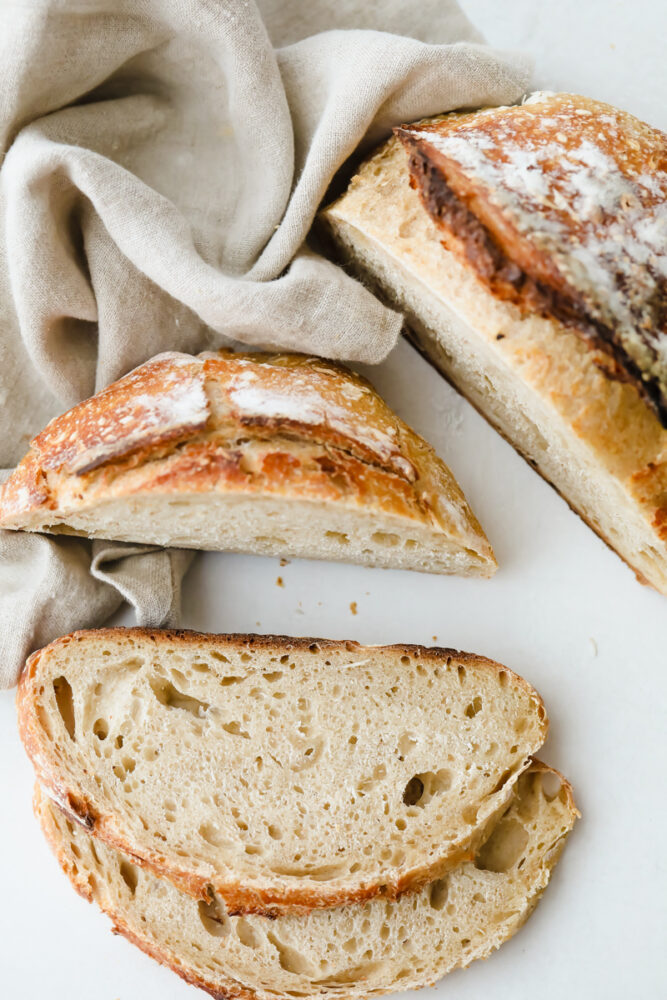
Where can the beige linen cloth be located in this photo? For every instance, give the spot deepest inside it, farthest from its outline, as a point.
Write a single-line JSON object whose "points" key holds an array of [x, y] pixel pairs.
{"points": [[162, 164]]}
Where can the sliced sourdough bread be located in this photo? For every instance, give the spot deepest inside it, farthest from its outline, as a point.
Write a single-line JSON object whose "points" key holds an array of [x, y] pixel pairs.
{"points": [[272, 454], [363, 949], [537, 380], [280, 773]]}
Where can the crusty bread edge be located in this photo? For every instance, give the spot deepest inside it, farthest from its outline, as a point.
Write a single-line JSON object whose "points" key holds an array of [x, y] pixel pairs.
{"points": [[239, 899], [27, 499], [237, 991]]}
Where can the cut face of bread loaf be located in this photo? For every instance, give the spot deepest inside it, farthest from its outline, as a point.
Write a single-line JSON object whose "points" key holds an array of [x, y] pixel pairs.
{"points": [[363, 949], [273, 454], [280, 773], [491, 326]]}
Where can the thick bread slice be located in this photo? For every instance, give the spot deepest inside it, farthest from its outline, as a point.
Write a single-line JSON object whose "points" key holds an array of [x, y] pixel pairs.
{"points": [[282, 773], [537, 381], [273, 454], [363, 949]]}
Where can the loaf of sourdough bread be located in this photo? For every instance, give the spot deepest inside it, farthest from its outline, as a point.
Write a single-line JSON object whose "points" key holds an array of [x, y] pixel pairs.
{"points": [[281, 774], [358, 950], [527, 247], [273, 454]]}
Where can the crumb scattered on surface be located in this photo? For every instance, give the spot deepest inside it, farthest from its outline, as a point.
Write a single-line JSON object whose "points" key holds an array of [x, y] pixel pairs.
{"points": [[353, 607], [435, 638], [284, 562], [258, 624], [279, 582], [594, 646]]}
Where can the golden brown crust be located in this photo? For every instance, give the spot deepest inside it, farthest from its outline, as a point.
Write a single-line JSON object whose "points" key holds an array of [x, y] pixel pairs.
{"points": [[380, 219], [238, 899], [279, 425], [559, 206]]}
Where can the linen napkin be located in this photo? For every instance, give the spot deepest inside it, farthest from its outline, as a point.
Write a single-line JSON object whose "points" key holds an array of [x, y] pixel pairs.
{"points": [[162, 164]]}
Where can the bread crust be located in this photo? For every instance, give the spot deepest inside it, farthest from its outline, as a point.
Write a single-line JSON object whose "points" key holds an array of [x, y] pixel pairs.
{"points": [[235, 991], [238, 898], [621, 434], [559, 206], [285, 426]]}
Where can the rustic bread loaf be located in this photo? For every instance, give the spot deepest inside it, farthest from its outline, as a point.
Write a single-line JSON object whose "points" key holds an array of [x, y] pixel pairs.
{"points": [[363, 949], [274, 454], [282, 773], [527, 247]]}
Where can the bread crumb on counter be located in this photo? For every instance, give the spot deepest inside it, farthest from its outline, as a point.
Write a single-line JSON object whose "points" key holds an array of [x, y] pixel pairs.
{"points": [[353, 607]]}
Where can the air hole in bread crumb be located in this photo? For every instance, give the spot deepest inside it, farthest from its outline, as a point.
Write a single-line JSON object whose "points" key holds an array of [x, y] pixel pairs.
{"points": [[469, 814], [338, 536], [422, 788], [171, 697], [461, 671], [474, 707], [129, 875], [213, 918], [211, 834], [437, 896], [234, 729], [65, 702], [247, 934], [386, 538], [405, 660], [272, 676], [551, 785], [290, 959], [100, 729], [503, 848]]}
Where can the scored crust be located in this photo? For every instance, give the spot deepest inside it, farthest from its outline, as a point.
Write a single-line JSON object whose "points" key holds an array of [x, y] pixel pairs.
{"points": [[536, 380], [559, 204], [237, 425], [279, 896]]}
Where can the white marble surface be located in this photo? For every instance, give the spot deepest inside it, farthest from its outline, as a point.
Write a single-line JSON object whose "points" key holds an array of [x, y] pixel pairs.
{"points": [[563, 611]]}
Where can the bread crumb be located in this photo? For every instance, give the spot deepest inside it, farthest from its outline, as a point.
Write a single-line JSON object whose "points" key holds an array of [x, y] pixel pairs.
{"points": [[594, 646], [435, 638], [279, 582], [284, 562], [353, 607]]}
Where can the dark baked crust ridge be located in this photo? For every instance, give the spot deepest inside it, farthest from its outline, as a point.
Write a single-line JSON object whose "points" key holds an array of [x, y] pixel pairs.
{"points": [[496, 234]]}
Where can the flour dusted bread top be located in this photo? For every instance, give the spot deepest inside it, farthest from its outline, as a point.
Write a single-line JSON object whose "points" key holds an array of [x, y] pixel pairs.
{"points": [[224, 429], [364, 949], [560, 204], [281, 772]]}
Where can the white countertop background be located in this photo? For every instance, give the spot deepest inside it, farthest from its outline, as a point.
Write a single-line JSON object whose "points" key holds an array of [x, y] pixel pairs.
{"points": [[563, 611]]}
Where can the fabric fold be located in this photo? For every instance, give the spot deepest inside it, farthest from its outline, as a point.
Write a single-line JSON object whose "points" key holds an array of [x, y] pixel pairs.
{"points": [[162, 165]]}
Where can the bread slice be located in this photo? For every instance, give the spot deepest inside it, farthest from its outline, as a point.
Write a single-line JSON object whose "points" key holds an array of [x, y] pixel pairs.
{"points": [[363, 949], [541, 383], [279, 455], [280, 773]]}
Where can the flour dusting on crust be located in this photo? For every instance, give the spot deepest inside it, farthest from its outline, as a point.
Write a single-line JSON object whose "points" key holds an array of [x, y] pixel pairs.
{"points": [[575, 192]]}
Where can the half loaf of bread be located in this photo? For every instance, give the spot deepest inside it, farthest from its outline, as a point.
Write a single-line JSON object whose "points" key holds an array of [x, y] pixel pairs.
{"points": [[363, 949], [278, 773], [273, 454], [527, 247]]}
